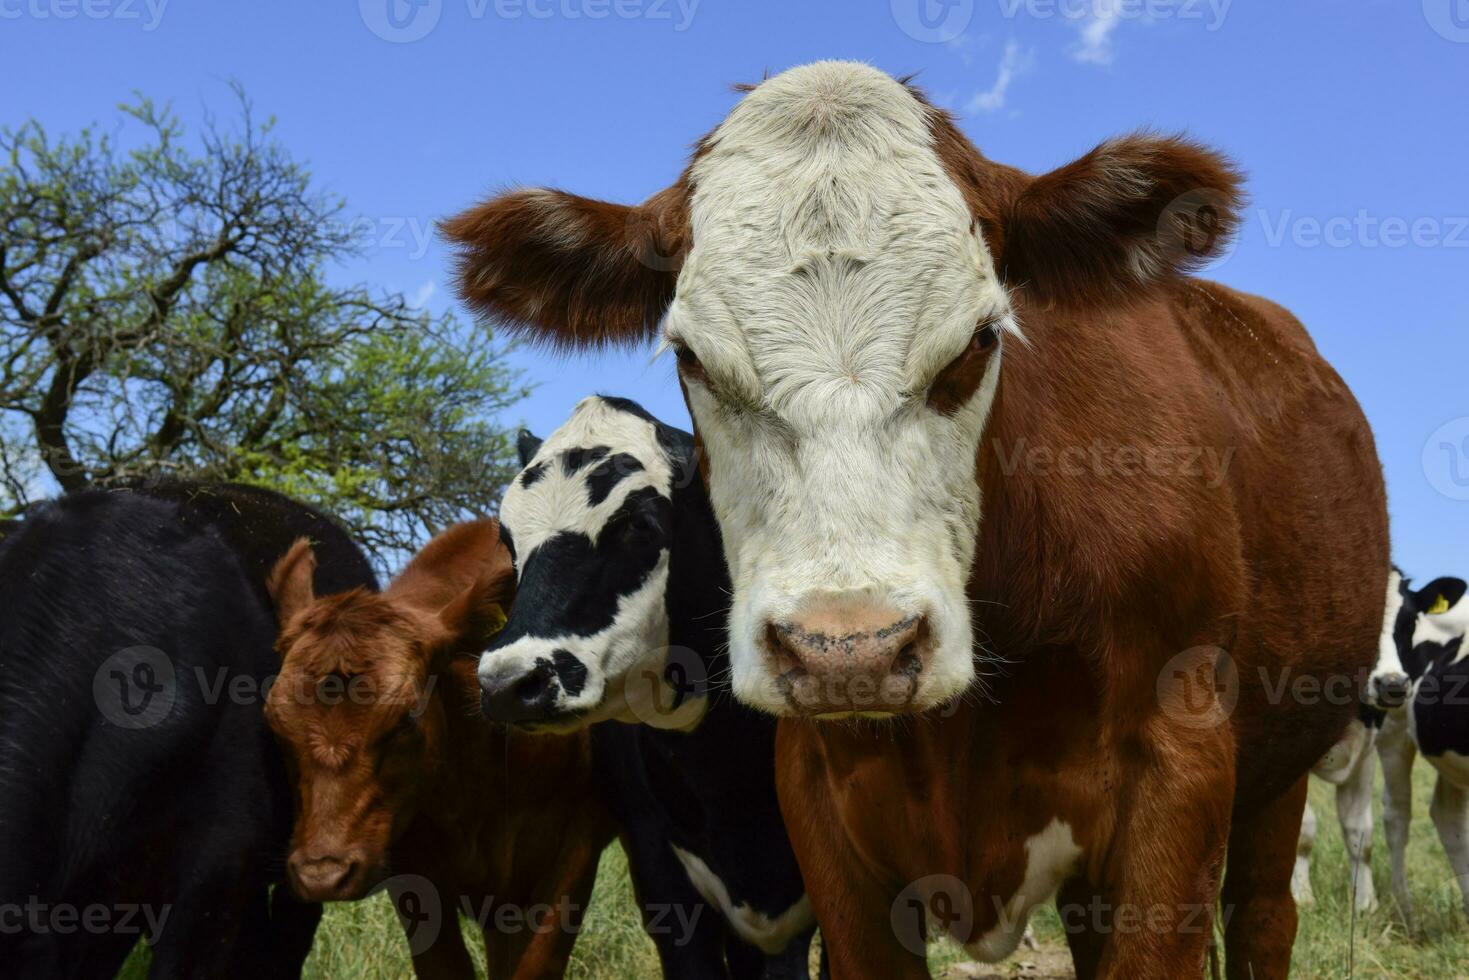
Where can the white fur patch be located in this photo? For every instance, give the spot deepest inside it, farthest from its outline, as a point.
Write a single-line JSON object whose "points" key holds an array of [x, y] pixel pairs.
{"points": [[770, 935], [1051, 855], [835, 271], [1388, 659]]}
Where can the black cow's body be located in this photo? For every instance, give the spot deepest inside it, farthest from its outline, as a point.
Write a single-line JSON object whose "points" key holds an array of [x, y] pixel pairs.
{"points": [[710, 791], [706, 845], [156, 805]]}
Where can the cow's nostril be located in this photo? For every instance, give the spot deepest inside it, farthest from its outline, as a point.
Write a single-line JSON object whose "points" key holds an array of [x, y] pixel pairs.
{"points": [[908, 662], [531, 688], [787, 658]]}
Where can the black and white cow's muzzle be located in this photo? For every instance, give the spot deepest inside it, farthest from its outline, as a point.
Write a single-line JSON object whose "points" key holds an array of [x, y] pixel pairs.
{"points": [[532, 691]]}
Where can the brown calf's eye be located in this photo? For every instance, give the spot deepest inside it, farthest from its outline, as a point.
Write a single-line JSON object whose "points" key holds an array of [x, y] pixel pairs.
{"points": [[984, 338]]}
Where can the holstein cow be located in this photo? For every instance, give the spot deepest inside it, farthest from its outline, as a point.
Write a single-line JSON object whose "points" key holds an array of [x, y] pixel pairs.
{"points": [[621, 617], [1165, 484], [401, 782], [141, 794], [1430, 661]]}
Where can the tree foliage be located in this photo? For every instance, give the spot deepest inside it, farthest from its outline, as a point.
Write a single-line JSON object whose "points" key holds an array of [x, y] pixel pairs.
{"points": [[169, 310]]}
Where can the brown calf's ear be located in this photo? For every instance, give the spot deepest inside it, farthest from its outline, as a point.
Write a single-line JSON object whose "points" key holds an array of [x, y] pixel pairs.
{"points": [[291, 582], [1134, 211], [480, 611], [570, 271]]}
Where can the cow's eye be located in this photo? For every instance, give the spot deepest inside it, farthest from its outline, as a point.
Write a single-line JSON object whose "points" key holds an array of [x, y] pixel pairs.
{"points": [[954, 385], [688, 362]]}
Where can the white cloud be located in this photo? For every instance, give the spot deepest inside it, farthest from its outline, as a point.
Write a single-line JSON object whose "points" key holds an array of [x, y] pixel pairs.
{"points": [[1013, 63], [424, 294], [1096, 27]]}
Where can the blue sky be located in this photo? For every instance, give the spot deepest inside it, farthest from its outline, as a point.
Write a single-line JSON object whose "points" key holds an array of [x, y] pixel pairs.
{"points": [[1350, 117]]}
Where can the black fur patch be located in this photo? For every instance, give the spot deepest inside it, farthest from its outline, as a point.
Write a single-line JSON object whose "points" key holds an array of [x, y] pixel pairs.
{"points": [[532, 475], [571, 672], [573, 460], [608, 474]]}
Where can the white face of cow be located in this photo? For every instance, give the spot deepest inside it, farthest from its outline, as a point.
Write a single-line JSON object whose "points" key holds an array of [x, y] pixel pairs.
{"points": [[589, 521], [838, 316], [1424, 628], [835, 273]]}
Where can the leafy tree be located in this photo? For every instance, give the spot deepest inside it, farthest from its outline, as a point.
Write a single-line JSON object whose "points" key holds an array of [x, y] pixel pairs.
{"points": [[167, 311]]}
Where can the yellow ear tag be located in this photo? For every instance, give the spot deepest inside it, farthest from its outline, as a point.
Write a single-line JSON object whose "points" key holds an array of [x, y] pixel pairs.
{"points": [[1440, 605], [498, 619]]}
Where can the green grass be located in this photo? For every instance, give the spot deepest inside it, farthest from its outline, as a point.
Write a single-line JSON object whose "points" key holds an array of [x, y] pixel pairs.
{"points": [[362, 940]]}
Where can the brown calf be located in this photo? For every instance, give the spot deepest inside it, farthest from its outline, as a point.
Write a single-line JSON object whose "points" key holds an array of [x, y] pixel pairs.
{"points": [[399, 779]]}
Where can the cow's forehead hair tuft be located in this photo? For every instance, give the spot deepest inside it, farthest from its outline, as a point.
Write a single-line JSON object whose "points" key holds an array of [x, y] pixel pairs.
{"points": [[558, 501]]}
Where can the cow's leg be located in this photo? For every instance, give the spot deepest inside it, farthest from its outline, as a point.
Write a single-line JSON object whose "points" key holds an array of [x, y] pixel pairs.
{"points": [[687, 931], [1075, 902], [1450, 813], [1354, 812], [1168, 851], [442, 955], [555, 900], [1300, 879], [1257, 900], [791, 963], [855, 911], [199, 938], [1395, 750]]}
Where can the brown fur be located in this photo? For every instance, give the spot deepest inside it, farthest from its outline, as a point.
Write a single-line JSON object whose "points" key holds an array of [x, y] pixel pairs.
{"points": [[1090, 580], [443, 796]]}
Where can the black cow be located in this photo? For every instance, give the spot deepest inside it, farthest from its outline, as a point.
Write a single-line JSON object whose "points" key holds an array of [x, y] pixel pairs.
{"points": [[620, 616], [141, 793], [1427, 694]]}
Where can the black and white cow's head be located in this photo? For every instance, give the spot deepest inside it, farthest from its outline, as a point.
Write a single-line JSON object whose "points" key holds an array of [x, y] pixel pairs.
{"points": [[1424, 628], [590, 524]]}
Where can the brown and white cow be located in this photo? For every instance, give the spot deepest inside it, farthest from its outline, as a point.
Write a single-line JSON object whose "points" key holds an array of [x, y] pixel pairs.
{"points": [[1165, 484]]}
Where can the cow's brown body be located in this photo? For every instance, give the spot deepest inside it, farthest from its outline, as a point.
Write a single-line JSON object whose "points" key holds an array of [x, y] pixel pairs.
{"points": [[1086, 586], [1182, 514], [401, 780]]}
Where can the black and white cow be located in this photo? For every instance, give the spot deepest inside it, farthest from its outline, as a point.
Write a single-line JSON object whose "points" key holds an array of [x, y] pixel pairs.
{"points": [[620, 616], [1429, 665]]}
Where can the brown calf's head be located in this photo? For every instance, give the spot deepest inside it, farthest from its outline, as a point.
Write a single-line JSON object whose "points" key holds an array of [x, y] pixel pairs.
{"points": [[360, 709], [839, 272]]}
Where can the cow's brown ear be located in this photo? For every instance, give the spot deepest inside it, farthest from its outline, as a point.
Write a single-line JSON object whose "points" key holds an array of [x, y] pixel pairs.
{"points": [[291, 582], [1134, 211], [480, 611], [570, 271]]}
